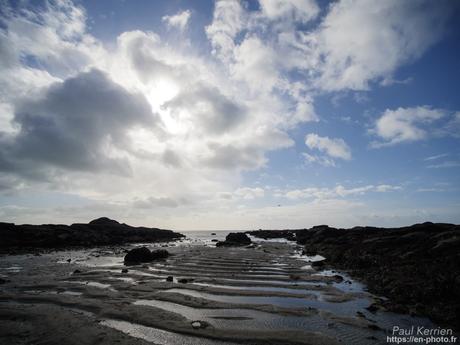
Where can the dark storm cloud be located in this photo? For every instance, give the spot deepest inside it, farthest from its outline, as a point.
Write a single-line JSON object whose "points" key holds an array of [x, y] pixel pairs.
{"points": [[73, 124]]}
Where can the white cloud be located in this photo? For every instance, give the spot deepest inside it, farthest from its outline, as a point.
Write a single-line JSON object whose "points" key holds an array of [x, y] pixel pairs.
{"points": [[179, 20], [445, 165], [386, 188], [249, 193], [336, 192], [52, 127], [435, 157], [332, 148], [404, 124], [229, 18], [256, 63], [322, 160], [189, 132], [397, 32], [297, 10]]}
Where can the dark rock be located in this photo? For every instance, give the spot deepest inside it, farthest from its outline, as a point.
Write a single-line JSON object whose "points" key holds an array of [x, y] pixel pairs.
{"points": [[169, 278], [214, 240], [101, 231], [4, 281], [76, 272], [213, 234], [318, 264], [104, 221], [138, 255], [238, 237], [270, 234], [373, 308], [235, 239], [373, 327], [337, 278], [143, 254], [415, 267], [124, 270], [159, 254], [182, 281]]}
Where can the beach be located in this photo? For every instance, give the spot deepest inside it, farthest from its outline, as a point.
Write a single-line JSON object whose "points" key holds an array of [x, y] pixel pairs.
{"points": [[263, 293]]}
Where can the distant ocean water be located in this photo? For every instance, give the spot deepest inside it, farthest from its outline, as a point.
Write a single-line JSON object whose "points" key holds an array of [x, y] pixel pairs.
{"points": [[204, 235]]}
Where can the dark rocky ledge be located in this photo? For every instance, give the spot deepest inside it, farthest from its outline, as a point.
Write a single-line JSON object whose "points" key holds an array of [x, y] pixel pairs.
{"points": [[101, 231], [416, 267]]}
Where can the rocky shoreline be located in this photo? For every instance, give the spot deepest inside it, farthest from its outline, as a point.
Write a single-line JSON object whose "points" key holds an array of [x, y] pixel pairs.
{"points": [[416, 267], [99, 232]]}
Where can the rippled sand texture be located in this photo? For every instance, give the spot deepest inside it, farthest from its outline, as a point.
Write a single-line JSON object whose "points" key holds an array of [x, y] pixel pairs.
{"points": [[263, 295]]}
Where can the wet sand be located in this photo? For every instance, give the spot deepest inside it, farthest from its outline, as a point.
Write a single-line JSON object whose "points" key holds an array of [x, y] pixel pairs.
{"points": [[263, 295]]}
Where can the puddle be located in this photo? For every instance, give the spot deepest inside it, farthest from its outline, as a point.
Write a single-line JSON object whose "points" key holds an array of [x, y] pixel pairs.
{"points": [[281, 240], [125, 279], [91, 283], [70, 293], [279, 264], [347, 285], [226, 266], [257, 288], [314, 258], [279, 282], [254, 320], [348, 308], [159, 336], [12, 269], [102, 261], [204, 272], [146, 274], [239, 318]]}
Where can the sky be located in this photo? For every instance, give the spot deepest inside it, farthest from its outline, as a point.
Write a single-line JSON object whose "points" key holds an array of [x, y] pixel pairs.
{"points": [[230, 114]]}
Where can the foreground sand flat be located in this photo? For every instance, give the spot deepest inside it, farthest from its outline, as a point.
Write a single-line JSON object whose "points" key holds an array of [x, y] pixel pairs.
{"points": [[266, 294]]}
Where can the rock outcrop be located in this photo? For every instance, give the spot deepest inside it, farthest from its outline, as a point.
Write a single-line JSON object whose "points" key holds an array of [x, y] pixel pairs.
{"points": [[101, 231], [272, 234], [143, 254], [235, 239]]}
